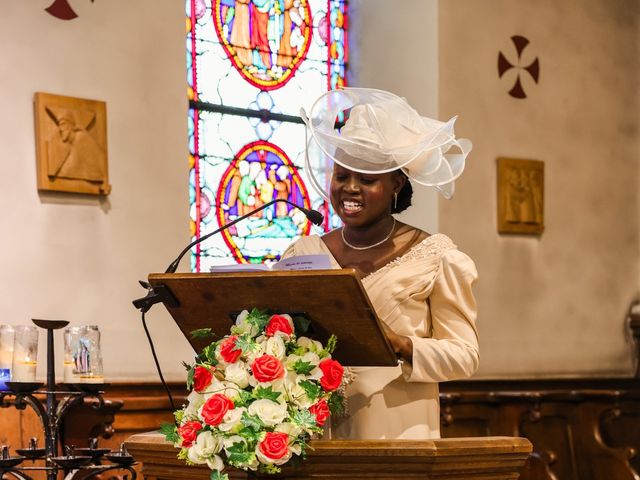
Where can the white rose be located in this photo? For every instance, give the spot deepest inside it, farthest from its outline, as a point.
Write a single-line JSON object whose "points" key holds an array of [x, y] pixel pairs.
{"points": [[216, 386], [231, 390], [309, 357], [231, 419], [216, 463], [195, 401], [309, 345], [295, 393], [289, 428], [206, 445], [275, 346], [258, 351], [271, 413], [238, 374], [243, 327]]}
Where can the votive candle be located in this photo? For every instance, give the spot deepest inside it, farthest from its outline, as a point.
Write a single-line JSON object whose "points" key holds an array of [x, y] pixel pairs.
{"points": [[25, 354], [7, 334], [24, 370]]}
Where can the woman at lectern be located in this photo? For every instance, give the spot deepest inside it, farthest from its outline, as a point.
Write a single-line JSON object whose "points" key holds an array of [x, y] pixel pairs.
{"points": [[420, 284]]}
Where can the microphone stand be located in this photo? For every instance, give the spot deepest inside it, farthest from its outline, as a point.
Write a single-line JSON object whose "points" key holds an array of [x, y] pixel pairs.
{"points": [[160, 293]]}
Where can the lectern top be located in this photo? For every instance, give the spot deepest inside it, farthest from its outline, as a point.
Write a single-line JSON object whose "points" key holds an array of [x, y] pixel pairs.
{"points": [[334, 300]]}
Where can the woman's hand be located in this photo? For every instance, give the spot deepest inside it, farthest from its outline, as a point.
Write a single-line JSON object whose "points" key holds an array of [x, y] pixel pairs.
{"points": [[401, 345]]}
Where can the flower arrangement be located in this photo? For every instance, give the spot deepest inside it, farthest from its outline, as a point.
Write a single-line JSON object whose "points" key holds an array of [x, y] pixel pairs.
{"points": [[257, 396]]}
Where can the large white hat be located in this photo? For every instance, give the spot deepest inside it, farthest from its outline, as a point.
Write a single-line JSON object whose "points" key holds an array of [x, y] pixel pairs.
{"points": [[382, 133]]}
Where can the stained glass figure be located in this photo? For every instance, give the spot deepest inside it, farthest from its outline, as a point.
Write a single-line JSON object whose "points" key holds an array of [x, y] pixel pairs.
{"points": [[251, 65]]}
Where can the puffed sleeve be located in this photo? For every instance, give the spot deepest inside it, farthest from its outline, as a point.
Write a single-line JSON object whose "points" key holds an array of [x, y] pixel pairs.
{"points": [[452, 351]]}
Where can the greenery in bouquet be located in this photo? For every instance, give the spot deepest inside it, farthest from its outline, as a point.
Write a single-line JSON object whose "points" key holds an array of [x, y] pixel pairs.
{"points": [[257, 396]]}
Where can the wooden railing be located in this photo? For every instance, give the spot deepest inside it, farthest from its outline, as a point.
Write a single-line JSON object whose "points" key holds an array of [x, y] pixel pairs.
{"points": [[580, 429]]}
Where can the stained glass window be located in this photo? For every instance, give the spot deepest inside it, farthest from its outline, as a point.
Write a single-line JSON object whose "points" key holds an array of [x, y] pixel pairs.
{"points": [[251, 65]]}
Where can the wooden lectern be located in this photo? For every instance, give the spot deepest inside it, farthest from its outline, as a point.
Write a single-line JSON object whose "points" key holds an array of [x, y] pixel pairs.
{"points": [[335, 302], [481, 458]]}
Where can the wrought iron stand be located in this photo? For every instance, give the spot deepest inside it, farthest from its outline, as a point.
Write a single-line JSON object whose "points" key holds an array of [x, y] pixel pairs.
{"points": [[51, 412]]}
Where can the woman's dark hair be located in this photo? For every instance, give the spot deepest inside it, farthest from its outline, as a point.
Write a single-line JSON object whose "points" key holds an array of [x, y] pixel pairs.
{"points": [[404, 197]]}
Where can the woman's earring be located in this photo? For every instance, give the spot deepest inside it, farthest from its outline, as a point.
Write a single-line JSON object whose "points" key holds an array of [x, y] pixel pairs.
{"points": [[395, 201]]}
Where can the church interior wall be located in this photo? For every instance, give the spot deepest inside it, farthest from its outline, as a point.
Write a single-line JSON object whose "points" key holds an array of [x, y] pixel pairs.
{"points": [[75, 257], [555, 304], [552, 305]]}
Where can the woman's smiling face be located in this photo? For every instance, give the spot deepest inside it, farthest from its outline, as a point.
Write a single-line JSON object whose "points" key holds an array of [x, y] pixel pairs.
{"points": [[361, 199]]}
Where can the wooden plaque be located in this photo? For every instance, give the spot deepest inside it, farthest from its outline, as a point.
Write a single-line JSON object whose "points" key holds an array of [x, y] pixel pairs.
{"points": [[520, 196], [71, 144]]}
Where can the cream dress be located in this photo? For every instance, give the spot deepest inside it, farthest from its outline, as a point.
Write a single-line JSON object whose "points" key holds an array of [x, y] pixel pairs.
{"points": [[425, 295]]}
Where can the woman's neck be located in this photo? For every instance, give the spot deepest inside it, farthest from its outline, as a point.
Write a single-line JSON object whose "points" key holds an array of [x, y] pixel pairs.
{"points": [[371, 233]]}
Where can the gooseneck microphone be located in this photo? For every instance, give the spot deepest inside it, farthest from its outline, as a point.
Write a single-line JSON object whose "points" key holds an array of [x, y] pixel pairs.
{"points": [[159, 294], [313, 216]]}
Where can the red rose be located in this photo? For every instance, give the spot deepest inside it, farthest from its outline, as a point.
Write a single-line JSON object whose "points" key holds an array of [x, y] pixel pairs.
{"points": [[228, 350], [215, 408], [202, 378], [275, 445], [267, 368], [278, 323], [321, 411], [188, 432], [332, 373]]}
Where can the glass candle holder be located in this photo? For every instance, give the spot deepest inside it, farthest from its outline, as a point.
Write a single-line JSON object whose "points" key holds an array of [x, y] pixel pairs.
{"points": [[7, 334], [71, 352], [25, 353], [85, 355]]}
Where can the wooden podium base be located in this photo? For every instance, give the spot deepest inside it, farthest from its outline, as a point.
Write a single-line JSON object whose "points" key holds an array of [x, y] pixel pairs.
{"points": [[479, 458]]}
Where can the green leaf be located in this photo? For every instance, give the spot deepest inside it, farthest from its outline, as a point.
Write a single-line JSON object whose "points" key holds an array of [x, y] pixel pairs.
{"points": [[208, 354], [269, 468], [170, 432], [304, 418], [258, 318], [301, 325], [239, 455], [298, 350], [251, 421], [266, 392], [312, 389], [202, 333], [218, 475], [331, 344], [336, 403], [178, 415], [243, 399], [246, 344], [302, 367], [190, 374], [183, 454]]}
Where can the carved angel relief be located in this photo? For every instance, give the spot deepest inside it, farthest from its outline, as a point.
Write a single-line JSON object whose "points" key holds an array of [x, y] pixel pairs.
{"points": [[71, 141]]}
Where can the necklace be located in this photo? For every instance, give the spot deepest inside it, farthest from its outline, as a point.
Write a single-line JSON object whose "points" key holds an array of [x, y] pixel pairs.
{"points": [[393, 227]]}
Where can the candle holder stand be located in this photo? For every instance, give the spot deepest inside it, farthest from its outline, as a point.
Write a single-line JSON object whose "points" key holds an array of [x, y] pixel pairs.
{"points": [[84, 462]]}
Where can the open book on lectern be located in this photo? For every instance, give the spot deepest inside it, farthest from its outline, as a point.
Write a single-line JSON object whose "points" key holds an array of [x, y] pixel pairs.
{"points": [[334, 301]]}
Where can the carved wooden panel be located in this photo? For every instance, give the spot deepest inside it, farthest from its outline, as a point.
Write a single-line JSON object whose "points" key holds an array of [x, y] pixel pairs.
{"points": [[583, 429], [520, 196], [71, 144]]}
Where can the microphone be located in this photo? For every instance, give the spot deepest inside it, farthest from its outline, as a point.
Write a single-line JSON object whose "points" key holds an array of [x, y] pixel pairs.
{"points": [[313, 216]]}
